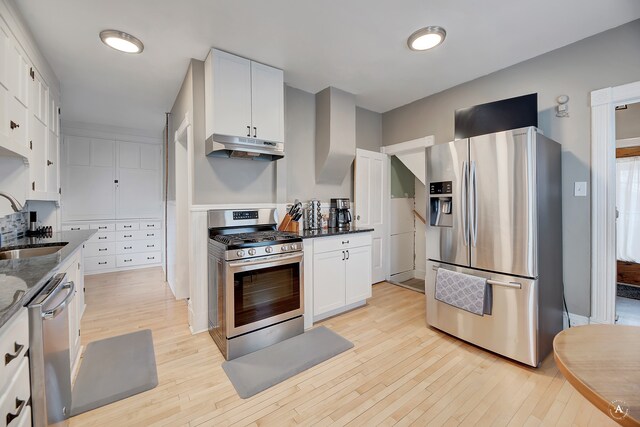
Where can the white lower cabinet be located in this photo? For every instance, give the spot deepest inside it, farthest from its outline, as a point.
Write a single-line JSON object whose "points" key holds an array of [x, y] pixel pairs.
{"points": [[341, 274], [15, 387], [121, 244], [74, 270]]}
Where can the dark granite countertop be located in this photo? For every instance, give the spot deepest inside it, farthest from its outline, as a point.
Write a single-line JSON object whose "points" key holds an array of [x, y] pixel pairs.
{"points": [[22, 279], [328, 232]]}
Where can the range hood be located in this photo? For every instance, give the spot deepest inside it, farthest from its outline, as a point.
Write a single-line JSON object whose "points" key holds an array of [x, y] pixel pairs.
{"points": [[237, 147]]}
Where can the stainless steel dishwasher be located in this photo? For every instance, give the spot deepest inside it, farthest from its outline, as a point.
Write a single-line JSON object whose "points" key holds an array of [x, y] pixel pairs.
{"points": [[50, 363]]}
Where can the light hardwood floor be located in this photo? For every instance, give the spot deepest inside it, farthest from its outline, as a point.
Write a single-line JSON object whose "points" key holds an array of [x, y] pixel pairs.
{"points": [[399, 372]]}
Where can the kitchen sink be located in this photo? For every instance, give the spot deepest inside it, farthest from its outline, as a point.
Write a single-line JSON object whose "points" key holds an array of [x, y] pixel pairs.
{"points": [[31, 251]]}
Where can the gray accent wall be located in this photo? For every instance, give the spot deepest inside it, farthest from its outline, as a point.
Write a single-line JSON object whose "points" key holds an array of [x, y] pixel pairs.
{"points": [[607, 59]]}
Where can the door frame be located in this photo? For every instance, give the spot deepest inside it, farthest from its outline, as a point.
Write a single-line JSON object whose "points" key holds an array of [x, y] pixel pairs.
{"points": [[603, 198], [406, 147]]}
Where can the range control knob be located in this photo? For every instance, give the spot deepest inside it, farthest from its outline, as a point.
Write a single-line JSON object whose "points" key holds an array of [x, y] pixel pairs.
{"points": [[240, 253], [252, 252], [268, 249], [284, 248], [293, 247]]}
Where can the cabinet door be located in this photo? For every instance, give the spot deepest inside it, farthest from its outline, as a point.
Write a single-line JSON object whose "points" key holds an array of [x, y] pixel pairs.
{"points": [[5, 129], [230, 99], [88, 186], [5, 45], [267, 102], [37, 163], [328, 282], [17, 123], [358, 274], [139, 191], [18, 73], [38, 96], [52, 167]]}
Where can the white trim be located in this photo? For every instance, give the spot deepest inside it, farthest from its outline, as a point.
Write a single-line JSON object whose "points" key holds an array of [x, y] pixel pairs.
{"points": [[403, 276], [603, 198], [576, 320], [94, 130], [204, 208], [408, 146]]}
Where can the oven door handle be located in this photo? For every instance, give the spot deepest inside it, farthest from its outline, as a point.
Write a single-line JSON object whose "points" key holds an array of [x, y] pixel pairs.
{"points": [[267, 260]]}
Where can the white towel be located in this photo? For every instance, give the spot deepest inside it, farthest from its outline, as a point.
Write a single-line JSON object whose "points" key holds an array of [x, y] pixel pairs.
{"points": [[469, 293]]}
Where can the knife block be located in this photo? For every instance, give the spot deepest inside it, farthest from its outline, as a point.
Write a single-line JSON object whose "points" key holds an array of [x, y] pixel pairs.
{"points": [[288, 224]]}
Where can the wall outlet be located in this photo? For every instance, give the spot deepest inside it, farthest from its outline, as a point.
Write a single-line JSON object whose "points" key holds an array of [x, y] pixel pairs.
{"points": [[580, 189]]}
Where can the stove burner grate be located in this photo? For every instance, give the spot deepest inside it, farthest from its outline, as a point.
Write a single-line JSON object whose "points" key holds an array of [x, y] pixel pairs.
{"points": [[255, 237]]}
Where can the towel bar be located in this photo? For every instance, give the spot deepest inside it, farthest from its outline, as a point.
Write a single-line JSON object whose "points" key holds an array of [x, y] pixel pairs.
{"points": [[514, 285]]}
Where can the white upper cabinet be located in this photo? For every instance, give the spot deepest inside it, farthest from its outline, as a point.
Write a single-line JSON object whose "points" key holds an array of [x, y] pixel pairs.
{"points": [[243, 98], [88, 186], [267, 102], [38, 96], [18, 73], [5, 45]]}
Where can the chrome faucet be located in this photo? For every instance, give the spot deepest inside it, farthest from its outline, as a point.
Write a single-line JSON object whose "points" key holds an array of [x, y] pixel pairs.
{"points": [[15, 205]]}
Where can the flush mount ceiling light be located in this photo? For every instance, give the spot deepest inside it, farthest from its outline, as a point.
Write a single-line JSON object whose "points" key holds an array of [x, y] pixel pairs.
{"points": [[426, 38], [121, 41]]}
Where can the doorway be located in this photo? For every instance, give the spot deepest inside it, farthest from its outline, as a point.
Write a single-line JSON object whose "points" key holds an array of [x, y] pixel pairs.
{"points": [[627, 127]]}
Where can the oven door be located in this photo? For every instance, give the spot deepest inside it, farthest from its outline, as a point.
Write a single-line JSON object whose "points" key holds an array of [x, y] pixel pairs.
{"points": [[262, 292]]}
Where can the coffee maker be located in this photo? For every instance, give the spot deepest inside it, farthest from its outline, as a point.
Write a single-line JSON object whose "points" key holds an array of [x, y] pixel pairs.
{"points": [[342, 214]]}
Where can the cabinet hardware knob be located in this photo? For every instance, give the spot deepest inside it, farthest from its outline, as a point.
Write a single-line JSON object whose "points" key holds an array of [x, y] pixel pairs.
{"points": [[255, 132], [102, 249], [151, 246], [150, 234], [345, 242], [102, 238], [102, 228], [151, 257], [102, 263], [343, 255], [347, 254], [128, 247], [127, 226], [49, 162], [13, 125], [19, 407], [128, 260], [128, 235], [8, 357], [249, 131], [32, 73]]}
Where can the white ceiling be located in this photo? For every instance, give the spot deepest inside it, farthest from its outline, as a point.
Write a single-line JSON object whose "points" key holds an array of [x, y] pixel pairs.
{"points": [[356, 45]]}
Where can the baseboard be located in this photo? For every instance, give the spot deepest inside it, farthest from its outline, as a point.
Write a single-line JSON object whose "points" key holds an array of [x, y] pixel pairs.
{"points": [[401, 277], [419, 274], [576, 320], [116, 269]]}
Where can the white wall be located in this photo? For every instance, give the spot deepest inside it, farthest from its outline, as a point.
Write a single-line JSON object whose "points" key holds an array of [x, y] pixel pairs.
{"points": [[420, 242]]}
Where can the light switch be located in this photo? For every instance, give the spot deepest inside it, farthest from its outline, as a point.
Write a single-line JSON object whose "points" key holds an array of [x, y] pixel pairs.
{"points": [[580, 189]]}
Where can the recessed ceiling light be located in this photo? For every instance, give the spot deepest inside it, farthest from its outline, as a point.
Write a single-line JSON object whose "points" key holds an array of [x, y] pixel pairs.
{"points": [[426, 38], [121, 41]]}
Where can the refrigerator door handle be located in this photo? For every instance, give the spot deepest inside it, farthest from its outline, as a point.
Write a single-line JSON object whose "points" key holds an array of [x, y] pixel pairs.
{"points": [[465, 195], [473, 205]]}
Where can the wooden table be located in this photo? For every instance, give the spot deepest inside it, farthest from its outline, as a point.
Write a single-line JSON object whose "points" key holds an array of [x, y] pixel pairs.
{"points": [[603, 363]]}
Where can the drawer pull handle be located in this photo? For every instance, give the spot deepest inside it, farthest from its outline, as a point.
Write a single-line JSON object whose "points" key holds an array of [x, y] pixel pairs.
{"points": [[128, 247], [19, 407], [75, 228], [345, 242], [128, 235], [128, 260], [127, 226], [102, 263], [102, 249], [102, 238], [151, 257], [150, 234], [102, 228], [151, 246], [8, 357], [150, 225]]}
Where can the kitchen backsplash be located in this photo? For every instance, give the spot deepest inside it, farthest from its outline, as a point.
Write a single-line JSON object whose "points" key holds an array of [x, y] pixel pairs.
{"points": [[12, 227]]}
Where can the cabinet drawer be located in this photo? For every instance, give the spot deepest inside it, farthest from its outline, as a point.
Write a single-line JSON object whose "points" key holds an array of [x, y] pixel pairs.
{"points": [[107, 226], [126, 260], [122, 236], [103, 236], [150, 225], [100, 263], [13, 401], [135, 246], [124, 226], [99, 249], [69, 227], [14, 343], [344, 241]]}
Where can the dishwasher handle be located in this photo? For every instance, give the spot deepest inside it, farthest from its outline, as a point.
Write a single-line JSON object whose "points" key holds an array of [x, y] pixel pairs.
{"points": [[50, 314]]}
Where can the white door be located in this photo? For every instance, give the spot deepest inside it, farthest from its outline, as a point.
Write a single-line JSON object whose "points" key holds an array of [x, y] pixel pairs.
{"points": [[371, 206], [267, 102], [328, 282], [358, 274], [231, 109]]}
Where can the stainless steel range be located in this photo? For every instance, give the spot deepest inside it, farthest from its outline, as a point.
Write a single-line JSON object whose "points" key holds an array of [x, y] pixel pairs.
{"points": [[256, 281]]}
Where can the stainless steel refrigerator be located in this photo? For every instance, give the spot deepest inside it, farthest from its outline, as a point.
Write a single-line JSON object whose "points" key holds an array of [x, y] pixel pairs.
{"points": [[494, 206]]}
